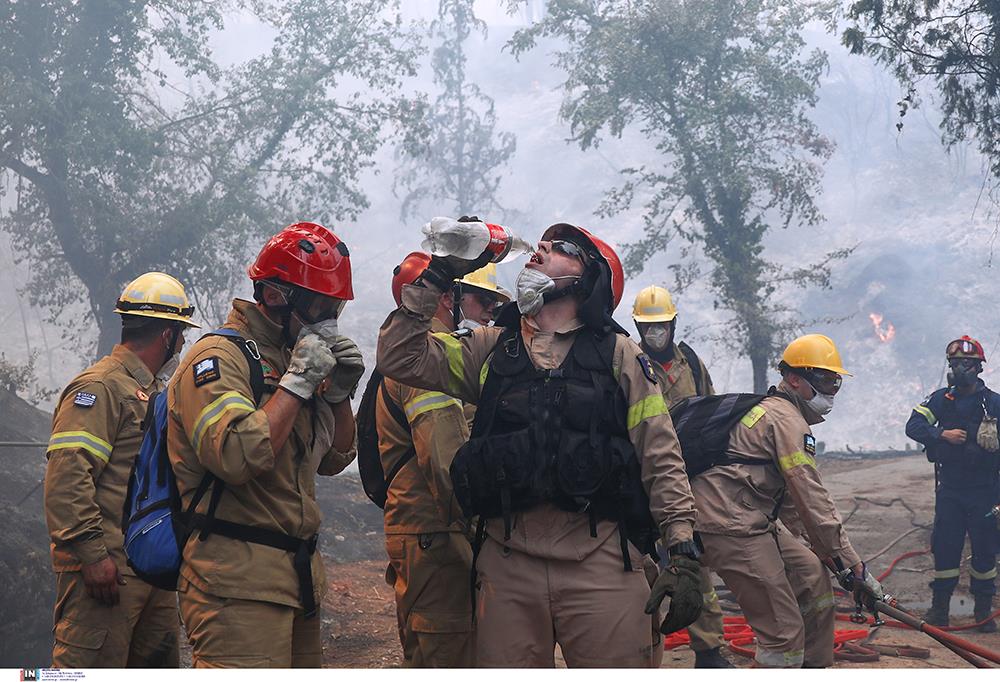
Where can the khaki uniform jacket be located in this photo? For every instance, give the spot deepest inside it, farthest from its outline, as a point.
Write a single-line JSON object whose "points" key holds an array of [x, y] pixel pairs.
{"points": [[458, 366], [421, 498], [216, 427], [677, 381], [96, 434], [741, 499]]}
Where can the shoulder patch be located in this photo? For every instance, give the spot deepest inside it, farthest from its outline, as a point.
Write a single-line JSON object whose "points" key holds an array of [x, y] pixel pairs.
{"points": [[206, 371], [85, 399], [269, 371], [647, 368], [809, 444], [753, 416]]}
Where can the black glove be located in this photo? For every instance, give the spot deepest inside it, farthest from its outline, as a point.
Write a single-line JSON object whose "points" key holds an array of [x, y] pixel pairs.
{"points": [[682, 581], [444, 270], [469, 219]]}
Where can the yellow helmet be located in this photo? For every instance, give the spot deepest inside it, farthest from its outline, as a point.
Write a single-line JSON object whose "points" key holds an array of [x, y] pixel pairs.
{"points": [[158, 295], [815, 351], [485, 278], [653, 304]]}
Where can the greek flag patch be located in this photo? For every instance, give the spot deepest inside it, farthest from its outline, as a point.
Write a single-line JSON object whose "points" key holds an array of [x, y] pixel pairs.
{"points": [[85, 399], [809, 444], [206, 371]]}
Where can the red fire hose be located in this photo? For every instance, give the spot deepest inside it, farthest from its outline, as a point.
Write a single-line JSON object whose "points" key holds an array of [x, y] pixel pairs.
{"points": [[738, 633]]}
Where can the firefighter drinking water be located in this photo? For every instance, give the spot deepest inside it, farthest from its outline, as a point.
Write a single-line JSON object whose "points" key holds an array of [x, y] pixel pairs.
{"points": [[573, 467]]}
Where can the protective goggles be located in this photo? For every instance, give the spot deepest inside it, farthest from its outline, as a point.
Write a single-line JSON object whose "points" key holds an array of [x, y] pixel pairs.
{"points": [[962, 347], [822, 380], [569, 249], [486, 300], [965, 363]]}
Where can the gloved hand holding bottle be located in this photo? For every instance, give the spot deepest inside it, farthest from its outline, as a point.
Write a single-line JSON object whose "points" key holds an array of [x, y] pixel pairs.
{"points": [[461, 246]]}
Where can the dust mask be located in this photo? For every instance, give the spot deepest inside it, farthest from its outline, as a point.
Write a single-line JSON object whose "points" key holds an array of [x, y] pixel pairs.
{"points": [[327, 330], [531, 287], [820, 403], [656, 338]]}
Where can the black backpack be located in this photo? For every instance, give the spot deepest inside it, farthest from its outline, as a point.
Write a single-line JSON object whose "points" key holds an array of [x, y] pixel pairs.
{"points": [[374, 479], [703, 424]]}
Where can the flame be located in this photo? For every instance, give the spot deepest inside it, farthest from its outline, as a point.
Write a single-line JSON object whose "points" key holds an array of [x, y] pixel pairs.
{"points": [[884, 334]]}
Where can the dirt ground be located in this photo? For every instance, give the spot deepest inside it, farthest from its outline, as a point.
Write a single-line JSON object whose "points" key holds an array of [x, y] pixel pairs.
{"points": [[880, 501]]}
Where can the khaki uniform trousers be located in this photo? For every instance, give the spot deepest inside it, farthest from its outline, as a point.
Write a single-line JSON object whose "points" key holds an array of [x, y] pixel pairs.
{"points": [[241, 633], [525, 605], [141, 631], [785, 594], [708, 632], [430, 574]]}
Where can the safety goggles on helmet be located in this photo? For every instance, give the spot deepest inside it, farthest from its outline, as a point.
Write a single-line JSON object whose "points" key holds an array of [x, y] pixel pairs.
{"points": [[309, 306], [570, 249], [822, 380]]}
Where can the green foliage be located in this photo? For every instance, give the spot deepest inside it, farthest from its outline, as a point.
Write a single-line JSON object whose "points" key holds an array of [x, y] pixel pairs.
{"points": [[142, 151], [461, 161], [955, 45], [21, 379], [721, 90]]}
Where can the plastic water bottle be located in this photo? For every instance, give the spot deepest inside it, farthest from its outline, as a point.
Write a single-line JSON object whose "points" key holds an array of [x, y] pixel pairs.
{"points": [[448, 237]]}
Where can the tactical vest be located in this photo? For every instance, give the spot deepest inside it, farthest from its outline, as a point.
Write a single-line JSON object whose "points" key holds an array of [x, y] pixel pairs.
{"points": [[556, 436], [965, 465]]}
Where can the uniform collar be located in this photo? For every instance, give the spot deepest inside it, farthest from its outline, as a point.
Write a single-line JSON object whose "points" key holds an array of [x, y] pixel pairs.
{"points": [[807, 414], [439, 326], [131, 362], [247, 316]]}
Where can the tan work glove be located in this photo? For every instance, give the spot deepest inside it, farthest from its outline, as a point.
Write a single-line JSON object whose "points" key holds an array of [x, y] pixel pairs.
{"points": [[347, 371], [312, 360]]}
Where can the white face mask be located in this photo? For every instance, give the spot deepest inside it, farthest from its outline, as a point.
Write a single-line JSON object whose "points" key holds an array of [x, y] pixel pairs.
{"points": [[326, 330], [820, 403], [656, 338], [169, 367], [531, 287]]}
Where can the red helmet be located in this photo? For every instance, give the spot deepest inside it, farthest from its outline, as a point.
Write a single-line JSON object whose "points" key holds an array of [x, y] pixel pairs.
{"points": [[965, 347], [408, 271], [309, 256], [597, 248]]}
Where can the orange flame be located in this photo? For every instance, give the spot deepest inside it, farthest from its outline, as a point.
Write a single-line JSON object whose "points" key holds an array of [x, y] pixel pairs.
{"points": [[884, 334]]}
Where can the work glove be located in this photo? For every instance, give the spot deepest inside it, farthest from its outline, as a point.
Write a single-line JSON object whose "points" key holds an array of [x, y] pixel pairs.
{"points": [[347, 371], [866, 590], [312, 360], [681, 579]]}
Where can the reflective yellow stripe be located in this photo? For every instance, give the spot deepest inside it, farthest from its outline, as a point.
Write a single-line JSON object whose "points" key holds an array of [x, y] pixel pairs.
{"points": [[753, 416], [989, 575], [779, 659], [928, 415], [483, 372], [425, 402], [821, 603], [84, 440], [230, 400], [796, 459], [650, 406], [947, 573], [456, 363], [710, 597]]}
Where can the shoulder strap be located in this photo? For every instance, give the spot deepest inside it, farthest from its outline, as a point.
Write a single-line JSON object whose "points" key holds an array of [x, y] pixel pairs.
{"points": [[249, 349], [695, 364], [393, 407]]}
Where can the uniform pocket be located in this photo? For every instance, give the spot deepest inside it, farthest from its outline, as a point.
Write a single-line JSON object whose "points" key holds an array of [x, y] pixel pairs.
{"points": [[395, 547], [77, 645], [440, 622]]}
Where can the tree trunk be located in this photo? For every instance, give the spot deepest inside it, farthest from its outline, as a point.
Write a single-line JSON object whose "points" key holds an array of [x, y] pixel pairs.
{"points": [[759, 356], [109, 327]]}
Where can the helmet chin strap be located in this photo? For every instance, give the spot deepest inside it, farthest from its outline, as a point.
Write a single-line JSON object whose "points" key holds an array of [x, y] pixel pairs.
{"points": [[556, 294]]}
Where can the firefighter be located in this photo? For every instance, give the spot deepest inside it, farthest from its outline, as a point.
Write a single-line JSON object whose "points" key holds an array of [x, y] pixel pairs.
{"points": [[680, 374], [559, 391], [251, 577], [957, 426], [419, 432], [105, 617], [780, 584]]}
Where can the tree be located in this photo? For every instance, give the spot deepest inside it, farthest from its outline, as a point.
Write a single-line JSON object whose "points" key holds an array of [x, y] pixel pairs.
{"points": [[127, 171], [721, 90], [955, 44], [463, 156]]}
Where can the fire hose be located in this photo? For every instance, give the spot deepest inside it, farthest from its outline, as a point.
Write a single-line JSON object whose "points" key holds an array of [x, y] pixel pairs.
{"points": [[738, 633]]}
